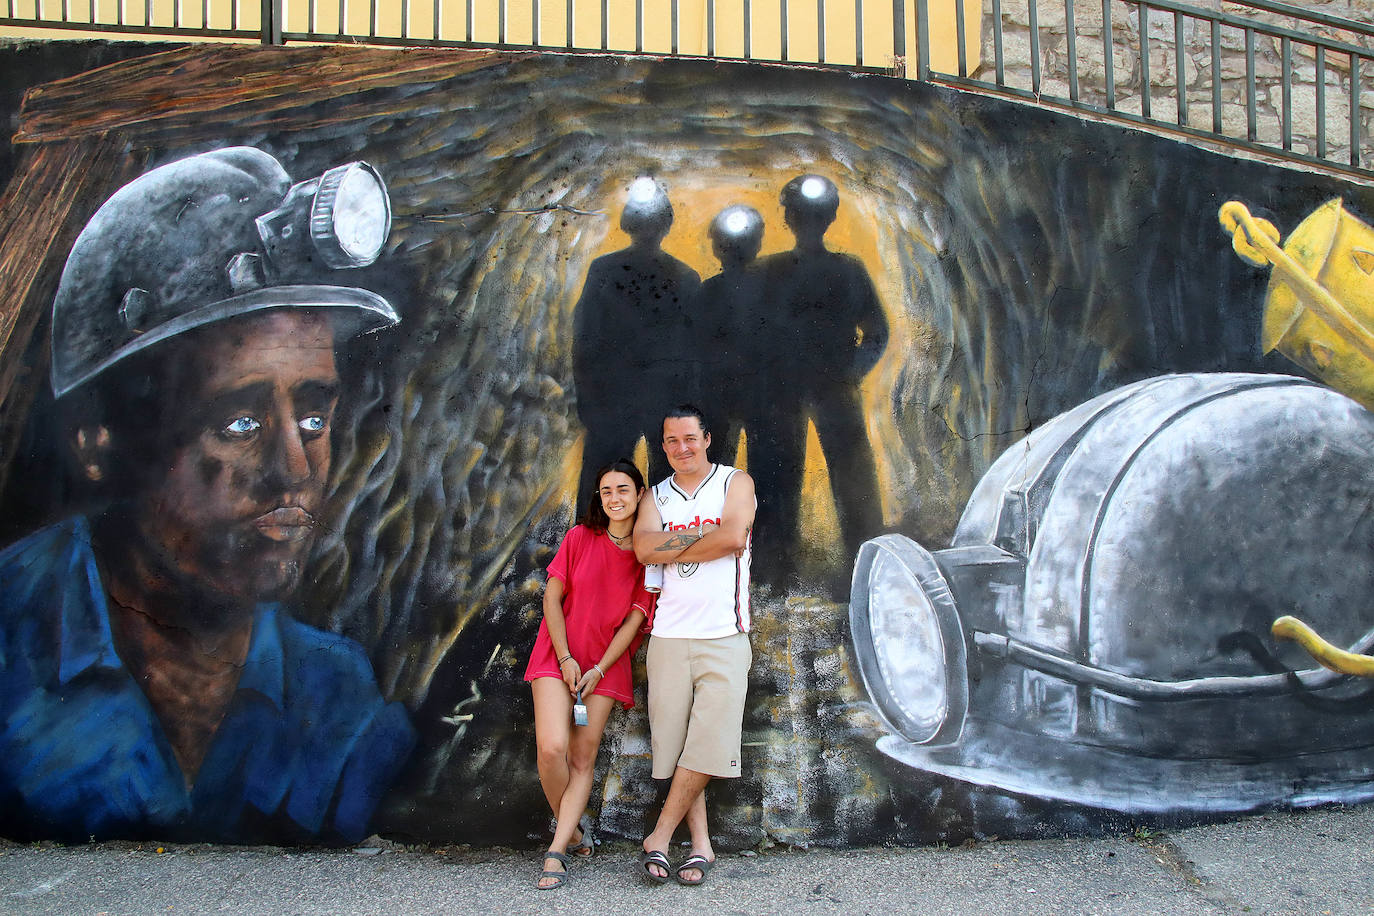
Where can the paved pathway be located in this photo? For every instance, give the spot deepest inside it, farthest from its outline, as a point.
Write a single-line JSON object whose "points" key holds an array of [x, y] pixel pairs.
{"points": [[1313, 862]]}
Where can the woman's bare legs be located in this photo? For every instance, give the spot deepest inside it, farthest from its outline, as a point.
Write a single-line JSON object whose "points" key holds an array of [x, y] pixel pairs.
{"points": [[566, 756]]}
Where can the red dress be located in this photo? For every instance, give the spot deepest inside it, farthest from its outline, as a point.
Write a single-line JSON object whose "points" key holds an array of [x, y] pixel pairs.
{"points": [[601, 585]]}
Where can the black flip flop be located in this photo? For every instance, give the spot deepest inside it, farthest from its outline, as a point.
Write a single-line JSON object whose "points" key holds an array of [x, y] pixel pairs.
{"points": [[655, 857], [700, 863]]}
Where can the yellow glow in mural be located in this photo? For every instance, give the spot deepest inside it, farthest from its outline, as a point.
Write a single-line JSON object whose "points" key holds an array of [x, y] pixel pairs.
{"points": [[1319, 310]]}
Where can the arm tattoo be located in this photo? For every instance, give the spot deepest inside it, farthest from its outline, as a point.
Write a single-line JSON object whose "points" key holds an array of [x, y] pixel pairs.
{"points": [[680, 541]]}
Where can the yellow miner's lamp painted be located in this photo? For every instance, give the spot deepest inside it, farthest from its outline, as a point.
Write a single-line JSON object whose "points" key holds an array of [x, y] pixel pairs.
{"points": [[1319, 310]]}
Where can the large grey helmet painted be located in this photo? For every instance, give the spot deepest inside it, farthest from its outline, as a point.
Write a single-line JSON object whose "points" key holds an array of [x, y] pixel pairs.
{"points": [[212, 237]]}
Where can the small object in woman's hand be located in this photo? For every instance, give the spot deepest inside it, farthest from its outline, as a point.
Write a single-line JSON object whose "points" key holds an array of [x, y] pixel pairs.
{"points": [[579, 711]]}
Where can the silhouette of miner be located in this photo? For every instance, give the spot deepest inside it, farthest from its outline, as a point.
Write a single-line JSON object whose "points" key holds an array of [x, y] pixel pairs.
{"points": [[631, 338], [823, 329], [727, 356]]}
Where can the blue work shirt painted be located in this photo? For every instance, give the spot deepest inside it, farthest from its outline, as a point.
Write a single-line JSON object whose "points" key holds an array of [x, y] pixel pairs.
{"points": [[305, 750]]}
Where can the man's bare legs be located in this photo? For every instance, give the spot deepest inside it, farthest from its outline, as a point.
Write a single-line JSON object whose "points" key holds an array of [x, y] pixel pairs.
{"points": [[701, 837], [686, 800]]}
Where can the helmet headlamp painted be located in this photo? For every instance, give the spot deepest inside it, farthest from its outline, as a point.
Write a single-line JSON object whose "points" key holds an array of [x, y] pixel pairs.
{"points": [[647, 208], [814, 196], [909, 640], [212, 237]]}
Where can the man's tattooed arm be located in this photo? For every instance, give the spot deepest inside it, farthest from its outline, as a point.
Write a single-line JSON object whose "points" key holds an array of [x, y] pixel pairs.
{"points": [[678, 542]]}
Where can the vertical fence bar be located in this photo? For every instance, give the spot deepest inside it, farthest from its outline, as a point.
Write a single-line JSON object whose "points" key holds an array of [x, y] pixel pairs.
{"points": [[998, 58], [1216, 76], [710, 28], [147, 10], [568, 23], [1251, 126], [748, 32], [1033, 9], [438, 25], [470, 15], [605, 24], [343, 15], [1354, 109], [1108, 55], [1180, 61], [782, 16], [372, 19], [500, 20], [535, 13], [899, 35], [639, 26], [204, 13], [922, 34], [405, 18], [1321, 101], [1144, 24], [820, 31], [271, 20], [672, 25], [1286, 61], [959, 36], [858, 33], [1071, 47]]}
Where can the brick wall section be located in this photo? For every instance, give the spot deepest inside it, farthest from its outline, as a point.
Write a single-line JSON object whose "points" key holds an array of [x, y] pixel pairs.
{"points": [[1197, 67]]}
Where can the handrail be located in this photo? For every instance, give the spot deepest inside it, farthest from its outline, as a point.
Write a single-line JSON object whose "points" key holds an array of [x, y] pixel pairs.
{"points": [[1309, 113]]}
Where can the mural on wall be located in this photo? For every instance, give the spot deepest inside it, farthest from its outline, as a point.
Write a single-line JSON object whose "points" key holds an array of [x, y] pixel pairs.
{"points": [[244, 419], [152, 683]]}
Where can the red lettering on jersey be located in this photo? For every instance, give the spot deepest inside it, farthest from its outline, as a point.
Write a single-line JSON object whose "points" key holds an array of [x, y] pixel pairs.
{"points": [[694, 523]]}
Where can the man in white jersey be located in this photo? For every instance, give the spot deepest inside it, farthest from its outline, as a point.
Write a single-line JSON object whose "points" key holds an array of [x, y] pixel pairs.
{"points": [[697, 524]]}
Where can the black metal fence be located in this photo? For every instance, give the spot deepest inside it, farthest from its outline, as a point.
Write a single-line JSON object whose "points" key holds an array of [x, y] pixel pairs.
{"points": [[1264, 76]]}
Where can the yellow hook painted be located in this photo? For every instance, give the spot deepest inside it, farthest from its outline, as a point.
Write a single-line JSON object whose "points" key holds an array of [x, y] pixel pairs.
{"points": [[1327, 655]]}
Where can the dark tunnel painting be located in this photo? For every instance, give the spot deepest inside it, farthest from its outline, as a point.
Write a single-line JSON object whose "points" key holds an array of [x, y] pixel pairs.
{"points": [[1059, 434]]}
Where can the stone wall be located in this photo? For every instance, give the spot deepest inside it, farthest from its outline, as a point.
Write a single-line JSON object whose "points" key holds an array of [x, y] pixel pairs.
{"points": [[1197, 75]]}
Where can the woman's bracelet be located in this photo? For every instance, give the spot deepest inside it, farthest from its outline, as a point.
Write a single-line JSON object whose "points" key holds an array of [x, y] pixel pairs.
{"points": [[599, 671], [564, 659]]}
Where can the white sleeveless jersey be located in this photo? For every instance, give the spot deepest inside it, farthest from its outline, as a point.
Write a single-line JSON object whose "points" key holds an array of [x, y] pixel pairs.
{"points": [[701, 600]]}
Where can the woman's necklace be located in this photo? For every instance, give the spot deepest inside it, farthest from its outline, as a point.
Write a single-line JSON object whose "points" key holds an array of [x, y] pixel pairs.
{"points": [[619, 539]]}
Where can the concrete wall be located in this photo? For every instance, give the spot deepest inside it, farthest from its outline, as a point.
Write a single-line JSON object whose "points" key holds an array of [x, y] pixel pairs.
{"points": [[1034, 481]]}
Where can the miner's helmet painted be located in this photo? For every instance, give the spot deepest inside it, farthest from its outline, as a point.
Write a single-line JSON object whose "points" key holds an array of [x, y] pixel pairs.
{"points": [[647, 209], [209, 238], [812, 196], [1098, 630], [738, 229]]}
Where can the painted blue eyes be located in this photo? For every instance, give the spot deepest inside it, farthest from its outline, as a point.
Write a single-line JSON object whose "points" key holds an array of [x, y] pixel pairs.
{"points": [[242, 426], [245, 426]]}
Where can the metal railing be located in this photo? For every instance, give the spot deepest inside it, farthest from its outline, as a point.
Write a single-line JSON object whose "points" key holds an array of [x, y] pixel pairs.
{"points": [[1264, 76]]}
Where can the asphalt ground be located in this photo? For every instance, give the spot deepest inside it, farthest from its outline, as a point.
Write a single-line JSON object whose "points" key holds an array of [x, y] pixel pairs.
{"points": [[1310, 862]]}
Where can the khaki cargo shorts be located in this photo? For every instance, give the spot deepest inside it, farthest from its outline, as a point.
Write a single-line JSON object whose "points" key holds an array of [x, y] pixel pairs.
{"points": [[696, 703]]}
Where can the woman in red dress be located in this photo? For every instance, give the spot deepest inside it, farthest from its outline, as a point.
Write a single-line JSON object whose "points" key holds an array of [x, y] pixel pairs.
{"points": [[595, 607]]}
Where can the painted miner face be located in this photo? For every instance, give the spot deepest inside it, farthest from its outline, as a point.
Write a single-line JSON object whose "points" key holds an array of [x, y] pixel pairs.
{"points": [[236, 511]]}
